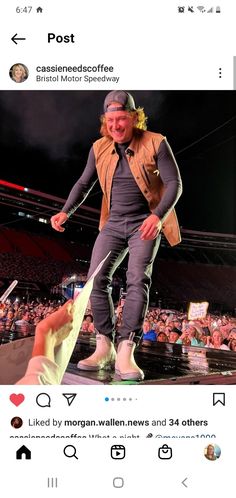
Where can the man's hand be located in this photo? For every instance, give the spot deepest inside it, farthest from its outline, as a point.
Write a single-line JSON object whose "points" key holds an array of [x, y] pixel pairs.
{"points": [[151, 227], [57, 220]]}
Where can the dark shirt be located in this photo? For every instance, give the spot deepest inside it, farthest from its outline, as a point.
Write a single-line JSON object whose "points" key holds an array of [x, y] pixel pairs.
{"points": [[126, 197]]}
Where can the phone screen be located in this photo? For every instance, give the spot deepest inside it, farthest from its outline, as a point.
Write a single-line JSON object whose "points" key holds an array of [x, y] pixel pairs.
{"points": [[117, 248]]}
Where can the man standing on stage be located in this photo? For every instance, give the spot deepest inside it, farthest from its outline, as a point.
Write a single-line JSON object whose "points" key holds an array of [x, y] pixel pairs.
{"points": [[141, 184]]}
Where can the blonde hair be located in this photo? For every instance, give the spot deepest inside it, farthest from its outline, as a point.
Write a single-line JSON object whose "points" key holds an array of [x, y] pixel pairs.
{"points": [[141, 122], [22, 68]]}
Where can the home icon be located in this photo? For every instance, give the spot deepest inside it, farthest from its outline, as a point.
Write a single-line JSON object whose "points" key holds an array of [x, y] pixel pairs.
{"points": [[23, 452], [39, 10]]}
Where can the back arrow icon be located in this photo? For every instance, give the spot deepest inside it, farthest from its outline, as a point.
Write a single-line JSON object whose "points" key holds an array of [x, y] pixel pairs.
{"points": [[183, 482], [14, 39]]}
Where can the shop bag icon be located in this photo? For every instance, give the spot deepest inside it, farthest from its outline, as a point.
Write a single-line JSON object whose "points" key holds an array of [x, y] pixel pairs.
{"points": [[165, 452]]}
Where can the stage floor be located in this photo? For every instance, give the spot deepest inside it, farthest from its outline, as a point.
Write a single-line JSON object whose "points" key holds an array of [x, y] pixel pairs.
{"points": [[162, 364]]}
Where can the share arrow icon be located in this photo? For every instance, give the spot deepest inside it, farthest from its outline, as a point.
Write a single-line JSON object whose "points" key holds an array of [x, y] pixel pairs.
{"points": [[69, 397]]}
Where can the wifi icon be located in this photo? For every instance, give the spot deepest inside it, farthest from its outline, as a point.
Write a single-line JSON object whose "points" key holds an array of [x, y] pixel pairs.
{"points": [[201, 8]]}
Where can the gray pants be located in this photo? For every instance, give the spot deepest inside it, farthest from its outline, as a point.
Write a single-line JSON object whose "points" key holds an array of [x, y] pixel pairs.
{"points": [[121, 236]]}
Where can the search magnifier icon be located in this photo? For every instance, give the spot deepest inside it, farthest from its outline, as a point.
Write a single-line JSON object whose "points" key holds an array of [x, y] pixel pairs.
{"points": [[70, 451]]}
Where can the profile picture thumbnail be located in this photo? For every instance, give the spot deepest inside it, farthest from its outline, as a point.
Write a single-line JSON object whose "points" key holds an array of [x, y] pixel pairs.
{"points": [[16, 422], [212, 452], [19, 73]]}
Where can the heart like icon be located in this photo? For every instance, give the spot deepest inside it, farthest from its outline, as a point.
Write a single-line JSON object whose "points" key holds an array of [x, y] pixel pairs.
{"points": [[17, 399]]}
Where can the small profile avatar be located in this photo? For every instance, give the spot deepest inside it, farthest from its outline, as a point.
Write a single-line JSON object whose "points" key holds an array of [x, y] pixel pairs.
{"points": [[16, 422], [212, 452], [19, 73]]}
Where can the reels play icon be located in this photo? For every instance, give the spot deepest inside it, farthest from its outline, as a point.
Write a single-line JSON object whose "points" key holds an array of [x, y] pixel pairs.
{"points": [[118, 452]]}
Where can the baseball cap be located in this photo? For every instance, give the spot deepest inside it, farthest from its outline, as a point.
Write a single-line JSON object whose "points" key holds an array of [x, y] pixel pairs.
{"points": [[124, 99], [177, 331]]}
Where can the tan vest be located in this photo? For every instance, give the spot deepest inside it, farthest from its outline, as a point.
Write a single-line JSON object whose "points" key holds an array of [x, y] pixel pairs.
{"points": [[143, 166]]}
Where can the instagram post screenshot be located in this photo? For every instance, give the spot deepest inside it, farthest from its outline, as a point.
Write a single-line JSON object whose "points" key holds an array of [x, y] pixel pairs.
{"points": [[117, 248]]}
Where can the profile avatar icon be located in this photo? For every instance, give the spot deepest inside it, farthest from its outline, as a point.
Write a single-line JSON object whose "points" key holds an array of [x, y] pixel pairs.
{"points": [[212, 452], [16, 422], [19, 73]]}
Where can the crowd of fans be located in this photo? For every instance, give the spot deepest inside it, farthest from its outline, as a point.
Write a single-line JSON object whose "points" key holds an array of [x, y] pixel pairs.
{"points": [[218, 332], [18, 319]]}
